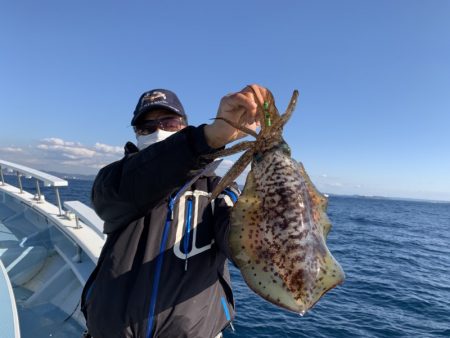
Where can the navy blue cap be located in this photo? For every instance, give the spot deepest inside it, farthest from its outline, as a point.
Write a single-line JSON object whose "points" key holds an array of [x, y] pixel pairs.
{"points": [[158, 99]]}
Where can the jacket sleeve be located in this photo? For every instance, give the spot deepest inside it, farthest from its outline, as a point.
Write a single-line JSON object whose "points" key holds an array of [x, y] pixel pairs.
{"points": [[125, 190], [222, 211]]}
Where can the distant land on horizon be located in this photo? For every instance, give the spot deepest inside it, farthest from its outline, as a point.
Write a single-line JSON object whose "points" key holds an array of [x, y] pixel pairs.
{"points": [[61, 175], [71, 176], [409, 199], [92, 177]]}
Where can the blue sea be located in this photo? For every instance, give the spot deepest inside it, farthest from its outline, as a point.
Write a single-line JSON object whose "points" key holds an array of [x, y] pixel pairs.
{"points": [[396, 256]]}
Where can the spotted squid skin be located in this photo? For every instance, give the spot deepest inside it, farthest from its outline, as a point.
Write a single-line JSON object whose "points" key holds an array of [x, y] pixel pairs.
{"points": [[278, 231]]}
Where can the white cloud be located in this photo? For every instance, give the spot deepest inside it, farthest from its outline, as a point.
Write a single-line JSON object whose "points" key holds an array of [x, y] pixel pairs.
{"points": [[73, 150], [107, 149], [86, 163], [60, 142], [54, 141], [11, 149], [226, 165], [78, 152], [65, 156], [97, 166]]}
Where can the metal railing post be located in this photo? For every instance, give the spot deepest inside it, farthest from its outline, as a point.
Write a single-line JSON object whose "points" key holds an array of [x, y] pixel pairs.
{"points": [[20, 182], [58, 200], [1, 174], [38, 189], [77, 222]]}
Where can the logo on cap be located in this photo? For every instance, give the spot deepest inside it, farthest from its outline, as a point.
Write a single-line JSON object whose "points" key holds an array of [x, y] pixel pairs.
{"points": [[150, 98]]}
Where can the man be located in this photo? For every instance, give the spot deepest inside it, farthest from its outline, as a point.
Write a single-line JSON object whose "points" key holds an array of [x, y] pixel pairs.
{"points": [[162, 271]]}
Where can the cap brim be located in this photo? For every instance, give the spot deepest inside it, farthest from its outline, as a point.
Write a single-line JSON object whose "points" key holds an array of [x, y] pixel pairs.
{"points": [[153, 107]]}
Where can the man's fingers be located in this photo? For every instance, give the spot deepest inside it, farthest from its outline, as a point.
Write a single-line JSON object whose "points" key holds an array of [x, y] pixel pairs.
{"points": [[243, 100], [242, 106], [250, 98], [259, 93]]}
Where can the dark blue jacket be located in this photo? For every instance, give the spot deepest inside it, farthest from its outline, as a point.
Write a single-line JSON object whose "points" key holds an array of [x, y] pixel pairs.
{"points": [[163, 269]]}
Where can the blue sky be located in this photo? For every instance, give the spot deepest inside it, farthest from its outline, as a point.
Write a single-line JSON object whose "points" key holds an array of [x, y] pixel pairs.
{"points": [[373, 76]]}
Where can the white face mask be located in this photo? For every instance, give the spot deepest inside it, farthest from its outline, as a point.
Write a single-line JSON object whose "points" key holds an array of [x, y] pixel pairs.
{"points": [[143, 141]]}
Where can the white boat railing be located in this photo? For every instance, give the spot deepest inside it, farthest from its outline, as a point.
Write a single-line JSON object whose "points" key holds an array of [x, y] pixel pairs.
{"points": [[47, 179], [50, 251], [86, 215], [77, 221]]}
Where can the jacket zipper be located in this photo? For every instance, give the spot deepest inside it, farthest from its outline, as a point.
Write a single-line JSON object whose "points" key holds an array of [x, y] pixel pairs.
{"points": [[187, 232], [158, 268]]}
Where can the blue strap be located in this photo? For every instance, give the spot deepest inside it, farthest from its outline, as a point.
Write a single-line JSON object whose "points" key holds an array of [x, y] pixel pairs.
{"points": [[158, 268], [160, 258], [187, 232], [231, 194]]}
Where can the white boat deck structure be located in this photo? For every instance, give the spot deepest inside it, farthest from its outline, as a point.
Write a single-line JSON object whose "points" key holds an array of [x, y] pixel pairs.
{"points": [[46, 255]]}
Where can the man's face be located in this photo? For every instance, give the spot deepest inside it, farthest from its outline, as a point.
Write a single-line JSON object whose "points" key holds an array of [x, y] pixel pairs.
{"points": [[159, 119]]}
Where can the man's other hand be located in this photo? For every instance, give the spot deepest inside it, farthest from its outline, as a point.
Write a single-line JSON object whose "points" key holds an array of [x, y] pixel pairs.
{"points": [[240, 108]]}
